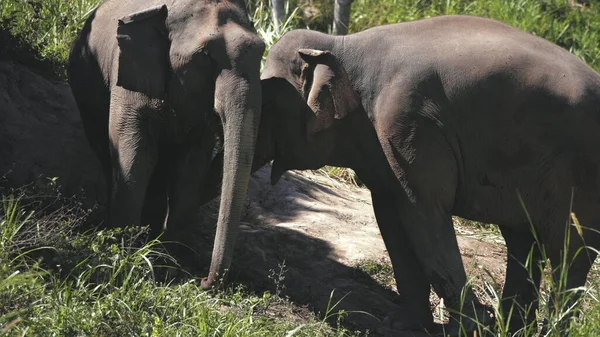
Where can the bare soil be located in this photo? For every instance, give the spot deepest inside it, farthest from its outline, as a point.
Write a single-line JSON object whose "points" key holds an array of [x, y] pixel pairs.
{"points": [[307, 237]]}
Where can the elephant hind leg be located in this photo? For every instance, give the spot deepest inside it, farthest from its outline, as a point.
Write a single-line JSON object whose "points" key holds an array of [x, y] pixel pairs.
{"points": [[570, 273], [523, 274]]}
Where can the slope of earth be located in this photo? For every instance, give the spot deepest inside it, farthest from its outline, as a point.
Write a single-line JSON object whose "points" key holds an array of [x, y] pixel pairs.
{"points": [[307, 237], [41, 135]]}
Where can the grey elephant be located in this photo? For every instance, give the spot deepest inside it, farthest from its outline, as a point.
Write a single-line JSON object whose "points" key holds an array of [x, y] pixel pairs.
{"points": [[162, 87], [454, 115]]}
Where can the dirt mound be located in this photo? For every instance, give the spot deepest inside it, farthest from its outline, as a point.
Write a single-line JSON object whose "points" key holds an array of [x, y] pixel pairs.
{"points": [[41, 137], [304, 238]]}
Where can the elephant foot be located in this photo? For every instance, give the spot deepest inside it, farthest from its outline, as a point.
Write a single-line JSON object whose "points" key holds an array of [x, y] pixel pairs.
{"points": [[407, 322], [479, 320]]}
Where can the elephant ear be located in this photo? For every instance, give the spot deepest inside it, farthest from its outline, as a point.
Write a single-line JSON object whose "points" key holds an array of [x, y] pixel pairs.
{"points": [[144, 52], [326, 89]]}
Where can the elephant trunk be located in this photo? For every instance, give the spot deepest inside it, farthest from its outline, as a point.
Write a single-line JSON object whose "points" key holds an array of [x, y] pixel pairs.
{"points": [[238, 102]]}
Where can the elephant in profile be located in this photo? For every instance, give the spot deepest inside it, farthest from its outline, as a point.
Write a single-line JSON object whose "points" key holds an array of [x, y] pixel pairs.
{"points": [[453, 115], [162, 87]]}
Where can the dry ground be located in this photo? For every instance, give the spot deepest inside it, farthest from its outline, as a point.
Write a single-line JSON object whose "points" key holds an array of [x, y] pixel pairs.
{"points": [[311, 235]]}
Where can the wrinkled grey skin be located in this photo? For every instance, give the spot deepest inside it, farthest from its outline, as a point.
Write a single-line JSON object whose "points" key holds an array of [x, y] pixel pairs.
{"points": [[452, 115], [162, 86]]}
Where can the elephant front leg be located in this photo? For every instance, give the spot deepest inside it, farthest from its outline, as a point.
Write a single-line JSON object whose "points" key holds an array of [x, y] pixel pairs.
{"points": [[134, 154], [430, 231], [424, 164], [411, 282]]}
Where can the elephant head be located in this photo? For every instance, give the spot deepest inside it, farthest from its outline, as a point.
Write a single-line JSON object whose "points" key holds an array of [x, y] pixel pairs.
{"points": [[312, 113], [202, 59]]}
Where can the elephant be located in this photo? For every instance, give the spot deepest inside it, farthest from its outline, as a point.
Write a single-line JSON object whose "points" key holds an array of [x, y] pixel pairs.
{"points": [[162, 87], [451, 115]]}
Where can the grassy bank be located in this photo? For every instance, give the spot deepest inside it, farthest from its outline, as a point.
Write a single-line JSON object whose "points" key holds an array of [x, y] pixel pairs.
{"points": [[57, 282]]}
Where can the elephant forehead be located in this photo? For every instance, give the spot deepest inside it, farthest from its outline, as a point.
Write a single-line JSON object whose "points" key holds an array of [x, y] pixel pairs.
{"points": [[221, 30], [196, 15]]}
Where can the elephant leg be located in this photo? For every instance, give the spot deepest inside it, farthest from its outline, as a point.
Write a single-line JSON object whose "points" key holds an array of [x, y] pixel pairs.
{"points": [[425, 206], [411, 282], [426, 164], [569, 273], [523, 274], [187, 175], [130, 181], [134, 154], [155, 204], [212, 184], [432, 233]]}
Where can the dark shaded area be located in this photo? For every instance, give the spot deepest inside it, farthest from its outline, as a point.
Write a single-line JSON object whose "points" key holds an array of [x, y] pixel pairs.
{"points": [[42, 143], [13, 48]]}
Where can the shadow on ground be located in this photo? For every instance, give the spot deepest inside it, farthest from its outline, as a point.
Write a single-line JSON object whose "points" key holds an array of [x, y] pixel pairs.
{"points": [[311, 267]]}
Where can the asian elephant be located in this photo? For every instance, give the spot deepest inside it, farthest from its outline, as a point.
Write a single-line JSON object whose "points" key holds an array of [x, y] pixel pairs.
{"points": [[453, 115], [162, 87]]}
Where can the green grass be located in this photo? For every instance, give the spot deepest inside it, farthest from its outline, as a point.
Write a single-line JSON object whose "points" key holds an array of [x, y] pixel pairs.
{"points": [[48, 26], [106, 283], [575, 30]]}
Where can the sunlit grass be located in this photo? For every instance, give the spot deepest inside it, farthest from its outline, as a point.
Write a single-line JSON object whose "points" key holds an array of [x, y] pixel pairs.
{"points": [[575, 29]]}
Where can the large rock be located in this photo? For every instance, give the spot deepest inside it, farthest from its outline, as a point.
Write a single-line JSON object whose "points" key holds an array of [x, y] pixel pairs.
{"points": [[41, 137]]}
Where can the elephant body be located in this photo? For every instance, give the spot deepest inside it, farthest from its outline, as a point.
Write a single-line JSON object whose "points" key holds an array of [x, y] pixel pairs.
{"points": [[453, 115], [163, 86]]}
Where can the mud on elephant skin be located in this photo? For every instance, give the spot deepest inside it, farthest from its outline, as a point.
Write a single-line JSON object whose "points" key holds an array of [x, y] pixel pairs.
{"points": [[454, 115], [162, 86]]}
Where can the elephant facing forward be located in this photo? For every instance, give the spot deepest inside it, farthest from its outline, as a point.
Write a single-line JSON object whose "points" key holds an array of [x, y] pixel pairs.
{"points": [[453, 115], [162, 86]]}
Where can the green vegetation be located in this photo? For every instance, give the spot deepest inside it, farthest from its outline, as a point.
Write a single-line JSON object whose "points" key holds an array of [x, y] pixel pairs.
{"points": [[46, 26], [575, 30], [49, 26], [55, 281], [380, 271]]}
